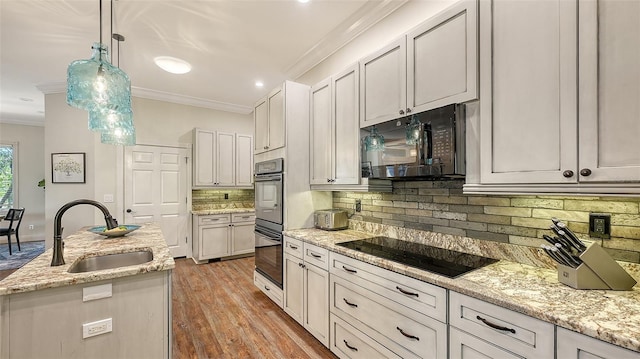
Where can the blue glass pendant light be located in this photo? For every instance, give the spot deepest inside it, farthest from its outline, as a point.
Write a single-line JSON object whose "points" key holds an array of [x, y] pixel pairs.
{"points": [[412, 131], [124, 135], [96, 84], [374, 141]]}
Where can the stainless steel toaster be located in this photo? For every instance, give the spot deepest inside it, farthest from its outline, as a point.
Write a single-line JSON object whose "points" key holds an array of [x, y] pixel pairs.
{"points": [[331, 219]]}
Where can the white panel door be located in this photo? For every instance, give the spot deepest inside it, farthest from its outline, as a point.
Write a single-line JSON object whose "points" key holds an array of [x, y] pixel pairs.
{"points": [[155, 190]]}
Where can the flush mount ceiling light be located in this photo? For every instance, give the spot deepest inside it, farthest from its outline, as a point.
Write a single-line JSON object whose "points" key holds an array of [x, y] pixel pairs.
{"points": [[172, 64], [259, 84]]}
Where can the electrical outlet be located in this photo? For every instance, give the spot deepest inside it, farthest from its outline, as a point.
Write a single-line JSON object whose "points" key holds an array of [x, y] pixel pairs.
{"points": [[31, 226], [358, 205], [600, 225], [226, 196], [97, 328]]}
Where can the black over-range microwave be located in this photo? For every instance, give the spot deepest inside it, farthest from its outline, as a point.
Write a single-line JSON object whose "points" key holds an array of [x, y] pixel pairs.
{"points": [[426, 145]]}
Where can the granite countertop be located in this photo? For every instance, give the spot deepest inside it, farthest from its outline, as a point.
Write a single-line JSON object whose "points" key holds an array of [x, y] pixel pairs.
{"points": [[532, 289], [38, 274], [206, 212]]}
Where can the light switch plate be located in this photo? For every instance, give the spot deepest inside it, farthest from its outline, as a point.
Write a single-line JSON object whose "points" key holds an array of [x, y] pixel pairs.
{"points": [[108, 198], [96, 328]]}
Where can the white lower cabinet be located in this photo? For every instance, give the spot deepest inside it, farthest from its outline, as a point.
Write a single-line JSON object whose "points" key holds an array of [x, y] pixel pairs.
{"points": [[483, 330], [349, 342], [390, 309], [267, 287], [572, 345], [222, 235], [306, 287]]}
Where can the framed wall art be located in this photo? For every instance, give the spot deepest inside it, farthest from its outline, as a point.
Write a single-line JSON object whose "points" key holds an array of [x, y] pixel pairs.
{"points": [[68, 167]]}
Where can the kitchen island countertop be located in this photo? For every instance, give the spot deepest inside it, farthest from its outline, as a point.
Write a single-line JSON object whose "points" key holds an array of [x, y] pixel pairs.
{"points": [[38, 273], [611, 316]]}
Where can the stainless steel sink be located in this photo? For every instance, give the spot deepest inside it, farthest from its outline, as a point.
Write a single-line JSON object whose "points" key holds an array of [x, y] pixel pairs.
{"points": [[110, 261]]}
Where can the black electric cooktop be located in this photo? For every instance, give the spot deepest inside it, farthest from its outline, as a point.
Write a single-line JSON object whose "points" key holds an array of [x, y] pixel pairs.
{"points": [[445, 262]]}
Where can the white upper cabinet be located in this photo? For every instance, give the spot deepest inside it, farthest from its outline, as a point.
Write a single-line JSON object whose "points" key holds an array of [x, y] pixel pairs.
{"points": [[335, 137], [244, 160], [383, 86], [442, 59], [434, 65], [559, 109], [269, 121], [528, 101], [222, 159], [609, 90]]}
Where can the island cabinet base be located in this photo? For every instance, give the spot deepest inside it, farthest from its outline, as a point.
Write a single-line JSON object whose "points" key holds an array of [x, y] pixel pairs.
{"points": [[127, 317]]}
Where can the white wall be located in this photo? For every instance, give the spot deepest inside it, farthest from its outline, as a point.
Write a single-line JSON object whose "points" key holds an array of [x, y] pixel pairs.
{"points": [[390, 28], [157, 123], [30, 141]]}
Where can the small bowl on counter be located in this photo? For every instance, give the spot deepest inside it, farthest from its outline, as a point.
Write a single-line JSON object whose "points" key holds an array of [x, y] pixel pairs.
{"points": [[119, 231]]}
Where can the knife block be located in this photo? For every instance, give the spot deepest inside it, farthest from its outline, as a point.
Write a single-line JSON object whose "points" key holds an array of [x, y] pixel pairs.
{"points": [[597, 271]]}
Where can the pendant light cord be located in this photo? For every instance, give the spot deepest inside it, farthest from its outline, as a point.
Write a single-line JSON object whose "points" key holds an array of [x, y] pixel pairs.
{"points": [[111, 40], [100, 49]]}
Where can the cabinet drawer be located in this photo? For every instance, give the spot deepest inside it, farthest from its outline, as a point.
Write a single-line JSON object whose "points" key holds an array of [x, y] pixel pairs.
{"points": [[271, 290], [464, 345], [423, 297], [518, 333], [243, 217], [399, 326], [214, 219], [316, 256], [349, 342], [293, 246]]}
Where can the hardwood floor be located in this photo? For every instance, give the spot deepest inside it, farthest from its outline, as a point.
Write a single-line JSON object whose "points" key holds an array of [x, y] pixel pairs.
{"points": [[219, 313]]}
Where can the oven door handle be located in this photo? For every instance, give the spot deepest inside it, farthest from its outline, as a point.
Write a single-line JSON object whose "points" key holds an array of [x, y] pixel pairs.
{"points": [[268, 179], [268, 234]]}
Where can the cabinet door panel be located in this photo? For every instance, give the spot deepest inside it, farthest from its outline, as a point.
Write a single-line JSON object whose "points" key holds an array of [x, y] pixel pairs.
{"points": [[442, 59], [346, 130], [214, 242], [293, 287], [226, 159], [383, 84], [610, 90], [205, 145], [244, 160], [261, 123], [276, 119], [529, 100], [572, 345], [316, 312], [243, 239], [321, 142]]}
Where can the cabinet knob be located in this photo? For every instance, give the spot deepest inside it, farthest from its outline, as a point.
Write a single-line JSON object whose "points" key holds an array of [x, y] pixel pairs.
{"points": [[328, 180], [408, 110], [585, 172], [401, 112], [265, 147], [568, 173], [129, 210]]}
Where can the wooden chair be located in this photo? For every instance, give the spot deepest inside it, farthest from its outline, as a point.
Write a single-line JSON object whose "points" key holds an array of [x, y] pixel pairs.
{"points": [[14, 216]]}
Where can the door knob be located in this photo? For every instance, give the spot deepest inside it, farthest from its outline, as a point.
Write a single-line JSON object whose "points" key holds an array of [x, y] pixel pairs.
{"points": [[129, 210], [585, 172], [568, 173]]}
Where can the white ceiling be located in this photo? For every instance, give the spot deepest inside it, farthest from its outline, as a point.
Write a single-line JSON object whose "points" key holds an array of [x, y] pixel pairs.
{"points": [[230, 44]]}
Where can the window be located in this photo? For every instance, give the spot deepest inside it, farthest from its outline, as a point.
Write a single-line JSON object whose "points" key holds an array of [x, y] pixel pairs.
{"points": [[8, 175]]}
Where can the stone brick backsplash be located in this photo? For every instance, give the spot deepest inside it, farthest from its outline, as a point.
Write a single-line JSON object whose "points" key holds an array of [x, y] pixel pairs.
{"points": [[203, 199], [441, 207]]}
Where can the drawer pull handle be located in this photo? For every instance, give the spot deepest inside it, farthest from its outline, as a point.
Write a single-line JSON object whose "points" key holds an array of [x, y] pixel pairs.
{"points": [[293, 247], [315, 255], [267, 288], [349, 346], [407, 293], [349, 270], [407, 335], [349, 303], [495, 326]]}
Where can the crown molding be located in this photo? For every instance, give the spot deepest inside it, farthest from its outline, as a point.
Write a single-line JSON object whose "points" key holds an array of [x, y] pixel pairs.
{"points": [[24, 121], [60, 87], [368, 15]]}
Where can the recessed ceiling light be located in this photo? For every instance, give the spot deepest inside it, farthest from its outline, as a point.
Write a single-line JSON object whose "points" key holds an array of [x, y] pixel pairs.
{"points": [[259, 84], [303, 1], [172, 64]]}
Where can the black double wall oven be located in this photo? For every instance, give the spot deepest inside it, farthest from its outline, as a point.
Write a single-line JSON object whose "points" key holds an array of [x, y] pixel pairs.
{"points": [[269, 207]]}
